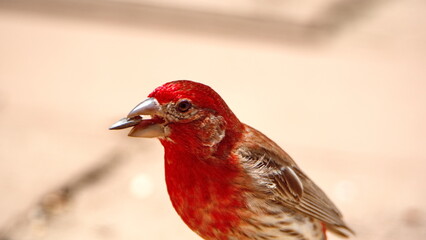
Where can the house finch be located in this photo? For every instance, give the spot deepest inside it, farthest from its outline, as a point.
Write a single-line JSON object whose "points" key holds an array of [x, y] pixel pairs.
{"points": [[225, 179]]}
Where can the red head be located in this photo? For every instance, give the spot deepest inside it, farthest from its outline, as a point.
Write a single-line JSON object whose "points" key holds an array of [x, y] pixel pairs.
{"points": [[198, 95], [186, 112]]}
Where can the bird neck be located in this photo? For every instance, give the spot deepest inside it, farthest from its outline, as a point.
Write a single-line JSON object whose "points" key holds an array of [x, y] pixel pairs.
{"points": [[209, 136]]}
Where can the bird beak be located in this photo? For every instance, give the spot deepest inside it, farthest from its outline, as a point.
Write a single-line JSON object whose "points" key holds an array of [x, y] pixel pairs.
{"points": [[145, 128], [149, 106]]}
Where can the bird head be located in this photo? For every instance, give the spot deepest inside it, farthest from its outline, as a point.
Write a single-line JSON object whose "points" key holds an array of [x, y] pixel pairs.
{"points": [[182, 112]]}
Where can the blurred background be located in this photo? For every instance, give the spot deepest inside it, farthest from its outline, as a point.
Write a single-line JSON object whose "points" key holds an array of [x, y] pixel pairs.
{"points": [[340, 84]]}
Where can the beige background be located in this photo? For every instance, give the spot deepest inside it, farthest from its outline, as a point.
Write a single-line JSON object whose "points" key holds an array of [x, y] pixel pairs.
{"points": [[351, 110]]}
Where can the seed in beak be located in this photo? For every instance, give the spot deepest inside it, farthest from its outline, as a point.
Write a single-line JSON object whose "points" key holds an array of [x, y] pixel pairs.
{"points": [[126, 123]]}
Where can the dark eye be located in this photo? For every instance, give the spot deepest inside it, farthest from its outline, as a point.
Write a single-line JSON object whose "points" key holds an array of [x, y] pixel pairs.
{"points": [[184, 106]]}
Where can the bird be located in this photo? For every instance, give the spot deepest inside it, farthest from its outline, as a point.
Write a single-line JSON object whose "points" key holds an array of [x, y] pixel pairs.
{"points": [[227, 180]]}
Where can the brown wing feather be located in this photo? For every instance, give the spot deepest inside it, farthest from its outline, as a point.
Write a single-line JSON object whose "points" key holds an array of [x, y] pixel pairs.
{"points": [[293, 188]]}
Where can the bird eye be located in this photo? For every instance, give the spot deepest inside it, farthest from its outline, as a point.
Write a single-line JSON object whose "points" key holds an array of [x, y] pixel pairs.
{"points": [[184, 106]]}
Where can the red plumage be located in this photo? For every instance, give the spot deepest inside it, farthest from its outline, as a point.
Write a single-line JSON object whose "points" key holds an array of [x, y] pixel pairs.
{"points": [[225, 179]]}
